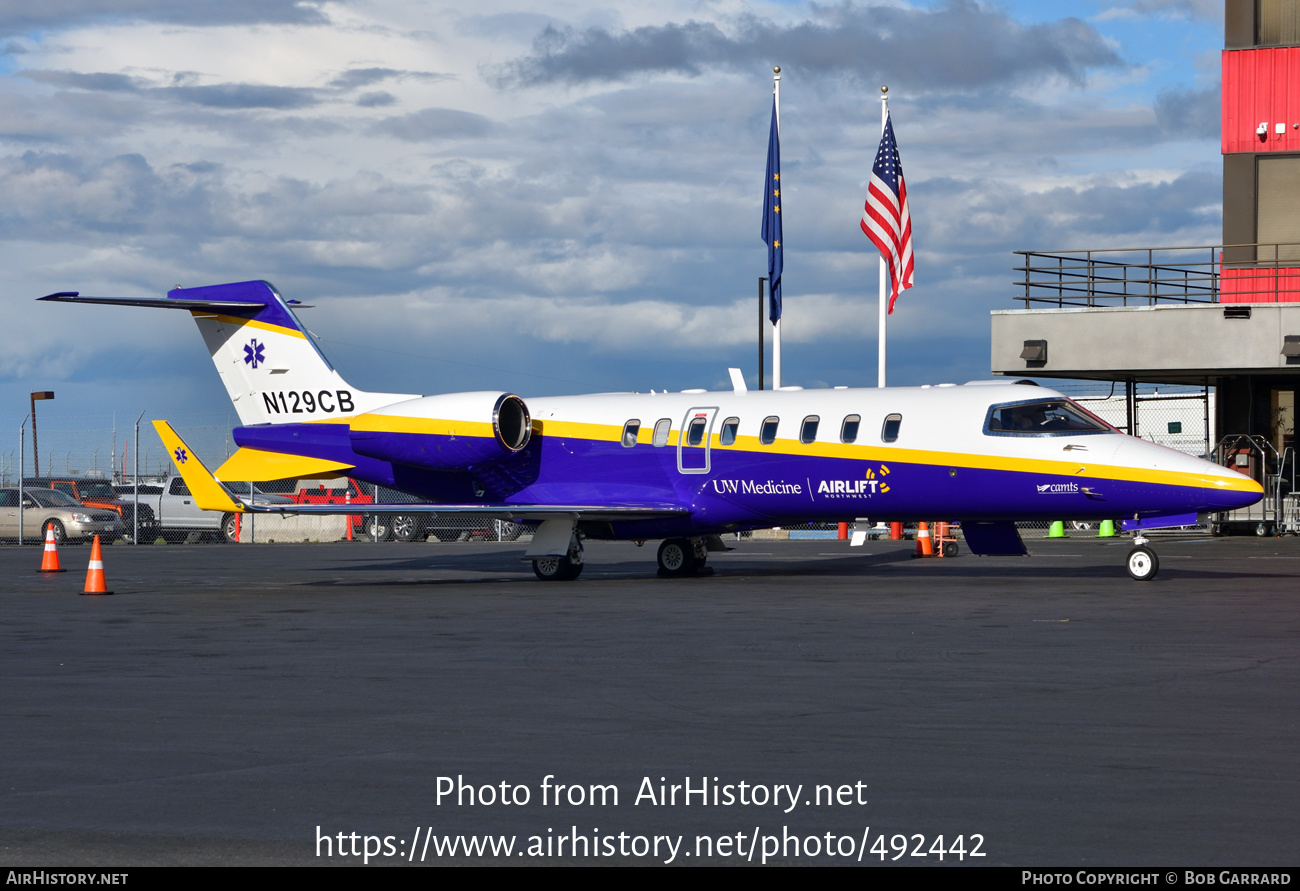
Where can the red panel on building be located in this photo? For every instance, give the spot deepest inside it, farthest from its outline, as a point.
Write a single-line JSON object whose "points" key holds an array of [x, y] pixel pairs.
{"points": [[1261, 86], [1260, 285]]}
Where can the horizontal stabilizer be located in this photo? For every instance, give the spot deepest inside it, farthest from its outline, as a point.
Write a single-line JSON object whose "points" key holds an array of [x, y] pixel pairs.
{"points": [[158, 303], [993, 539], [208, 493], [258, 466]]}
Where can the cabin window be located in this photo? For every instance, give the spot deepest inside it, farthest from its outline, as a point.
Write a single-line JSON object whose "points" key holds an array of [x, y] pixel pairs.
{"points": [[662, 426], [695, 432], [767, 433], [889, 432], [849, 431], [630, 430], [1053, 417], [808, 432], [729, 428]]}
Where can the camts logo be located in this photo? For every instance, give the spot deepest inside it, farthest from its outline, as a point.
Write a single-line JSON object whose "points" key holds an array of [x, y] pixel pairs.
{"points": [[1058, 488], [872, 483]]}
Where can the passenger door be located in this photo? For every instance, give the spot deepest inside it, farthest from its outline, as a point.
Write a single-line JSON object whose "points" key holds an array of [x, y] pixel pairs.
{"points": [[694, 439]]}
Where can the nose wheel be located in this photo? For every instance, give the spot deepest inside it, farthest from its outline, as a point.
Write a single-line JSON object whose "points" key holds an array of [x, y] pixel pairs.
{"points": [[1143, 564]]}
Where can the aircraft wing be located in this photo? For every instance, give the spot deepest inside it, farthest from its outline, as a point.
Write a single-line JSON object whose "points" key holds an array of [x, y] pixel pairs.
{"points": [[500, 511]]}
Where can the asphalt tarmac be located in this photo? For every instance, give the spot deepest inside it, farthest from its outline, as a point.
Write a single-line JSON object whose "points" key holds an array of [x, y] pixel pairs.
{"points": [[237, 704]]}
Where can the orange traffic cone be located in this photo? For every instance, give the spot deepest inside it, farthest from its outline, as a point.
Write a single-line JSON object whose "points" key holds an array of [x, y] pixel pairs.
{"points": [[50, 559], [923, 546], [95, 583]]}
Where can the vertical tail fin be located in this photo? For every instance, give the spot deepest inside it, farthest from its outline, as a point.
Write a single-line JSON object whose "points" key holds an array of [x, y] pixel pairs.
{"points": [[272, 369]]}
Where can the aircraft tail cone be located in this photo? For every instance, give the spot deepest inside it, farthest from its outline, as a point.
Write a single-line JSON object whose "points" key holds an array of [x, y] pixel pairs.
{"points": [[1057, 530], [1107, 529], [50, 559], [95, 583]]}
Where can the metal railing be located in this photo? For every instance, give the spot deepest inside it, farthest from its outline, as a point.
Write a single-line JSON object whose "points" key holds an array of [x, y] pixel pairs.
{"points": [[1234, 273], [1256, 457]]}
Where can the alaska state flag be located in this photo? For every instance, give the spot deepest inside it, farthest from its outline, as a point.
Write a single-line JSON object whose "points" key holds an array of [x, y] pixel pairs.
{"points": [[772, 220]]}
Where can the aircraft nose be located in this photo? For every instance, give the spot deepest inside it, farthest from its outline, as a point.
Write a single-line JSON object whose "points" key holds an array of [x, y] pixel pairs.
{"points": [[1225, 489]]}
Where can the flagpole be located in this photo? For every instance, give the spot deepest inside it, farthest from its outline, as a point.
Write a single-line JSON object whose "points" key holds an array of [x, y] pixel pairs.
{"points": [[883, 309], [776, 334]]}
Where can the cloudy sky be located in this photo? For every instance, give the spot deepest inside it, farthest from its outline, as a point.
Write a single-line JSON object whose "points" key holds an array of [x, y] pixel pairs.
{"points": [[566, 197]]}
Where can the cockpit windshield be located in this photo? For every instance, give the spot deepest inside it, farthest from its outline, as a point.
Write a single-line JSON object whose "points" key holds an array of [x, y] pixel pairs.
{"points": [[1050, 418]]}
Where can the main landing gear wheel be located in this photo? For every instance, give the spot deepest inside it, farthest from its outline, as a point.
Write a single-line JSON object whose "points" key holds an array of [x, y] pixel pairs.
{"points": [[561, 569], [556, 569], [678, 558], [1143, 564]]}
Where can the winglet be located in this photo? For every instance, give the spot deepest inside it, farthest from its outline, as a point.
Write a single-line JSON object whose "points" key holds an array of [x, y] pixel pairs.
{"points": [[208, 493]]}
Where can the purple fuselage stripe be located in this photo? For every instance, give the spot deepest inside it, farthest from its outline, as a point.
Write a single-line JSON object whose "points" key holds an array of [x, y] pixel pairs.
{"points": [[743, 489]]}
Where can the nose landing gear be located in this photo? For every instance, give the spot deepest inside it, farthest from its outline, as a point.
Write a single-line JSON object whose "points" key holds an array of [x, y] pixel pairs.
{"points": [[1142, 563]]}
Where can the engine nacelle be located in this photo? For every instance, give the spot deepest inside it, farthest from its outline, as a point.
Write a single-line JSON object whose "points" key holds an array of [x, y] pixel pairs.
{"points": [[452, 432]]}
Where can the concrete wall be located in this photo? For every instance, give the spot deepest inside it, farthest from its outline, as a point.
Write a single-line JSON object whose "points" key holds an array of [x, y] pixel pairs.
{"points": [[1153, 343], [275, 528]]}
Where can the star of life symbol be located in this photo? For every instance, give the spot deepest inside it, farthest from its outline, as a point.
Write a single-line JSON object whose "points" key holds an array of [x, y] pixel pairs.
{"points": [[253, 353], [181, 457]]}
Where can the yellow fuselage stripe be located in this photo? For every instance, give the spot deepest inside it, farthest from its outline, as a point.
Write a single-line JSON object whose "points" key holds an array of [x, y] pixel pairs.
{"points": [[785, 447]]}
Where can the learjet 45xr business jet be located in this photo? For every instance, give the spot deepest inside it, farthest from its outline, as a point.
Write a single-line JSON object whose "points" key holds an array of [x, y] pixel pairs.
{"points": [[681, 467]]}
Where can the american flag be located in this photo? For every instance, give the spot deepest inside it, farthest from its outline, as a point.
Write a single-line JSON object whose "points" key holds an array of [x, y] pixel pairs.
{"points": [[885, 218]]}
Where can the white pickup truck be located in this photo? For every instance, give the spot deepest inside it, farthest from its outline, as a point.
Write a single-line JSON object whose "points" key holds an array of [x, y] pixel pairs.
{"points": [[178, 517]]}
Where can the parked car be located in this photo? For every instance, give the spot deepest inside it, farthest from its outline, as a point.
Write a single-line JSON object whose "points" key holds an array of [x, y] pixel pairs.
{"points": [[98, 493], [179, 517], [57, 511], [447, 527], [399, 527]]}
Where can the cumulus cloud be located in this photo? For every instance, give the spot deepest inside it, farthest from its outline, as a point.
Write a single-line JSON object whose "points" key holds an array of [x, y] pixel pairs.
{"points": [[377, 99], [356, 78], [431, 124], [623, 217], [1189, 114], [957, 45], [55, 15], [1208, 10], [243, 96]]}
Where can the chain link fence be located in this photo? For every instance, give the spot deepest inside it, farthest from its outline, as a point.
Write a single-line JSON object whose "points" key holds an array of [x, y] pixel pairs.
{"points": [[85, 461]]}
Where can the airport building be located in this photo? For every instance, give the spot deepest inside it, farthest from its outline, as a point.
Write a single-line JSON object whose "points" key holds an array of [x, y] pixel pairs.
{"points": [[1225, 317]]}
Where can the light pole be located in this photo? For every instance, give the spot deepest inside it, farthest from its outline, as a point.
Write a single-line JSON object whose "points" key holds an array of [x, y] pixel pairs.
{"points": [[36, 455], [22, 438]]}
